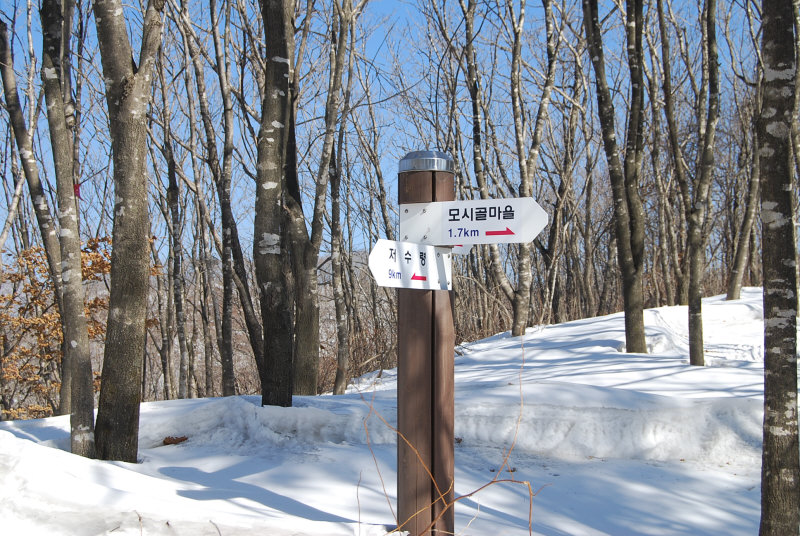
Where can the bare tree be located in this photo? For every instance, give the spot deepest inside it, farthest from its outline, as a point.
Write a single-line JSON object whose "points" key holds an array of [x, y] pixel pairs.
{"points": [[780, 467], [128, 91], [276, 163], [628, 210], [680, 166], [77, 394], [747, 108], [554, 250], [173, 210], [474, 85], [694, 184], [527, 157], [699, 203], [56, 22], [233, 268], [742, 249], [165, 322], [306, 245], [343, 332]]}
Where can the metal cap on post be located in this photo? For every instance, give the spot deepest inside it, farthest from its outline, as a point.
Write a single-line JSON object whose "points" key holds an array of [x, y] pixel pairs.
{"points": [[426, 161], [425, 376]]}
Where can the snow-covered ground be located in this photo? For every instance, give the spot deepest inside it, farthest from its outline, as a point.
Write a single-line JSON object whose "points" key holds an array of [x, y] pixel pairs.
{"points": [[609, 443]]}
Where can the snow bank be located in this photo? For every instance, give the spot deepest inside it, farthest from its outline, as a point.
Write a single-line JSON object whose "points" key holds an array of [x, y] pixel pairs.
{"points": [[554, 419], [717, 431], [246, 428]]}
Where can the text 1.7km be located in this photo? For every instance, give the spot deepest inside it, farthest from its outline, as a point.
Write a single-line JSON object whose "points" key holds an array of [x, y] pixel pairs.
{"points": [[462, 232]]}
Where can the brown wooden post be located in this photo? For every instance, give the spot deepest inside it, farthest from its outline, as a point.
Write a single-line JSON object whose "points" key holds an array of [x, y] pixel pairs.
{"points": [[425, 383]]}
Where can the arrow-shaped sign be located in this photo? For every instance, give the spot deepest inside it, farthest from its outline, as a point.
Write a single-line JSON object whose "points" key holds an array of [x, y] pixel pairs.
{"points": [[409, 265], [481, 221]]}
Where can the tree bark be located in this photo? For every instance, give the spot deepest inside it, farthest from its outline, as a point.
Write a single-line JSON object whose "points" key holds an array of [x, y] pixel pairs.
{"points": [[628, 211], [175, 227], [76, 356], [680, 166], [697, 214], [306, 246], [528, 158], [742, 251], [128, 92], [343, 314], [476, 99], [276, 160], [780, 467]]}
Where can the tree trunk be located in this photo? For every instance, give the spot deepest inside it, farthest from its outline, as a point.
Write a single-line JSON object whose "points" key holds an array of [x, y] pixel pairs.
{"points": [[476, 98], [780, 467], [233, 269], [76, 356], [695, 199], [522, 292], [528, 158], [681, 168], [175, 227], [343, 330], [206, 305], [663, 287], [276, 159], [165, 327], [173, 192], [628, 211], [305, 246], [697, 214], [128, 97], [588, 233], [306, 323], [742, 252]]}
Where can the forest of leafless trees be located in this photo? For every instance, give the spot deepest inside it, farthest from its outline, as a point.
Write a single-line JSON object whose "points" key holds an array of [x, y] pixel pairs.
{"points": [[222, 168]]}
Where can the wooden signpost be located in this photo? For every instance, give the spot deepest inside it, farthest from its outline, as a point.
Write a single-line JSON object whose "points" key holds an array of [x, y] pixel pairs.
{"points": [[425, 372], [425, 331]]}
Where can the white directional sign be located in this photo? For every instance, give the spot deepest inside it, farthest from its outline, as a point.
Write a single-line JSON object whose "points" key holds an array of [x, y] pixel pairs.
{"points": [[408, 265], [482, 221]]}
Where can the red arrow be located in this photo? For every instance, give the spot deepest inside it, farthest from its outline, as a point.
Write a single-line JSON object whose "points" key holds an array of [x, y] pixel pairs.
{"points": [[416, 277], [500, 233]]}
